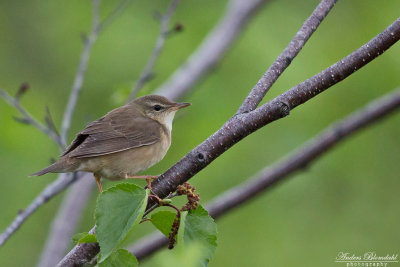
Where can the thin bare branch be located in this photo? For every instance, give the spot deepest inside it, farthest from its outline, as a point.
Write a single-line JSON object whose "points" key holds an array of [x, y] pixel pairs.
{"points": [[80, 74], [244, 124], [285, 58], [48, 119], [96, 28], [51, 190], [210, 52], [164, 30], [298, 160], [113, 15], [29, 119]]}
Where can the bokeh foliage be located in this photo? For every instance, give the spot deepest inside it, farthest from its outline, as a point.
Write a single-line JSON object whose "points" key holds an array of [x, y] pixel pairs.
{"points": [[347, 201]]}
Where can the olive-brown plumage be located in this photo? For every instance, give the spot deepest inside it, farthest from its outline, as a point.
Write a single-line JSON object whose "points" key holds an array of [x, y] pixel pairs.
{"points": [[125, 141]]}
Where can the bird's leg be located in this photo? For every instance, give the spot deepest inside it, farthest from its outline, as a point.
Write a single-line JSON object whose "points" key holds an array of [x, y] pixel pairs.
{"points": [[147, 177], [97, 177]]}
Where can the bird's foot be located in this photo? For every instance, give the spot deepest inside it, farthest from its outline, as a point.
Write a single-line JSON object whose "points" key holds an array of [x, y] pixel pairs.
{"points": [[97, 178], [147, 177]]}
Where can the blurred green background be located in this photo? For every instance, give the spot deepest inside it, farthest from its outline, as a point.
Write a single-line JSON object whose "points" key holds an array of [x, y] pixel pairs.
{"points": [[348, 201]]}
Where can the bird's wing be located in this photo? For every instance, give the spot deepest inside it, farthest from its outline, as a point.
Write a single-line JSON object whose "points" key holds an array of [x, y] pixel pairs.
{"points": [[119, 130]]}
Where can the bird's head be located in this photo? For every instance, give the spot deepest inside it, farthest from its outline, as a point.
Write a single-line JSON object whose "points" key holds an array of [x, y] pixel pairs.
{"points": [[158, 108]]}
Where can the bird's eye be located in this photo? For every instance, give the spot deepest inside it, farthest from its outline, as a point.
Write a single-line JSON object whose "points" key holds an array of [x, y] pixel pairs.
{"points": [[157, 107]]}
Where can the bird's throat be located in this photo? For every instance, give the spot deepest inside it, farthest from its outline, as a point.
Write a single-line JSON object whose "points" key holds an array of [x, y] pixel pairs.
{"points": [[167, 120]]}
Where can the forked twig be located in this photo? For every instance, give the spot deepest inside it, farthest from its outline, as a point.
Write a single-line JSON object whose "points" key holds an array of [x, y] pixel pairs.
{"points": [[163, 34]]}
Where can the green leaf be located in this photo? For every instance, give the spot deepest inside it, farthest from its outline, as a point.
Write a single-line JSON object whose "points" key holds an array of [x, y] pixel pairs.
{"points": [[120, 258], [163, 220], [199, 229], [89, 238], [76, 237], [118, 210]]}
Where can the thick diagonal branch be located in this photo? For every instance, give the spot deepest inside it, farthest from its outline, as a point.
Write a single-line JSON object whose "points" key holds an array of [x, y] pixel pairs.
{"points": [[296, 161]]}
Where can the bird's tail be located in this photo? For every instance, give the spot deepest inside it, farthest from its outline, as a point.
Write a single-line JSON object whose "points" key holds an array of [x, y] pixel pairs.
{"points": [[55, 167]]}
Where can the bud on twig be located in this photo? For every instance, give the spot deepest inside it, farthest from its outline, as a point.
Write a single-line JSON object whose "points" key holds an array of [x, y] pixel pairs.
{"points": [[178, 27], [22, 90]]}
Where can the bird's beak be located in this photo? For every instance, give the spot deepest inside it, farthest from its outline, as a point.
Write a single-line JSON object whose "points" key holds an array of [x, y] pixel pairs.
{"points": [[180, 105]]}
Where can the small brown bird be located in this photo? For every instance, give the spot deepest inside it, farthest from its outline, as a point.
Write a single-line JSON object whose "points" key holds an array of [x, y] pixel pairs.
{"points": [[127, 140]]}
